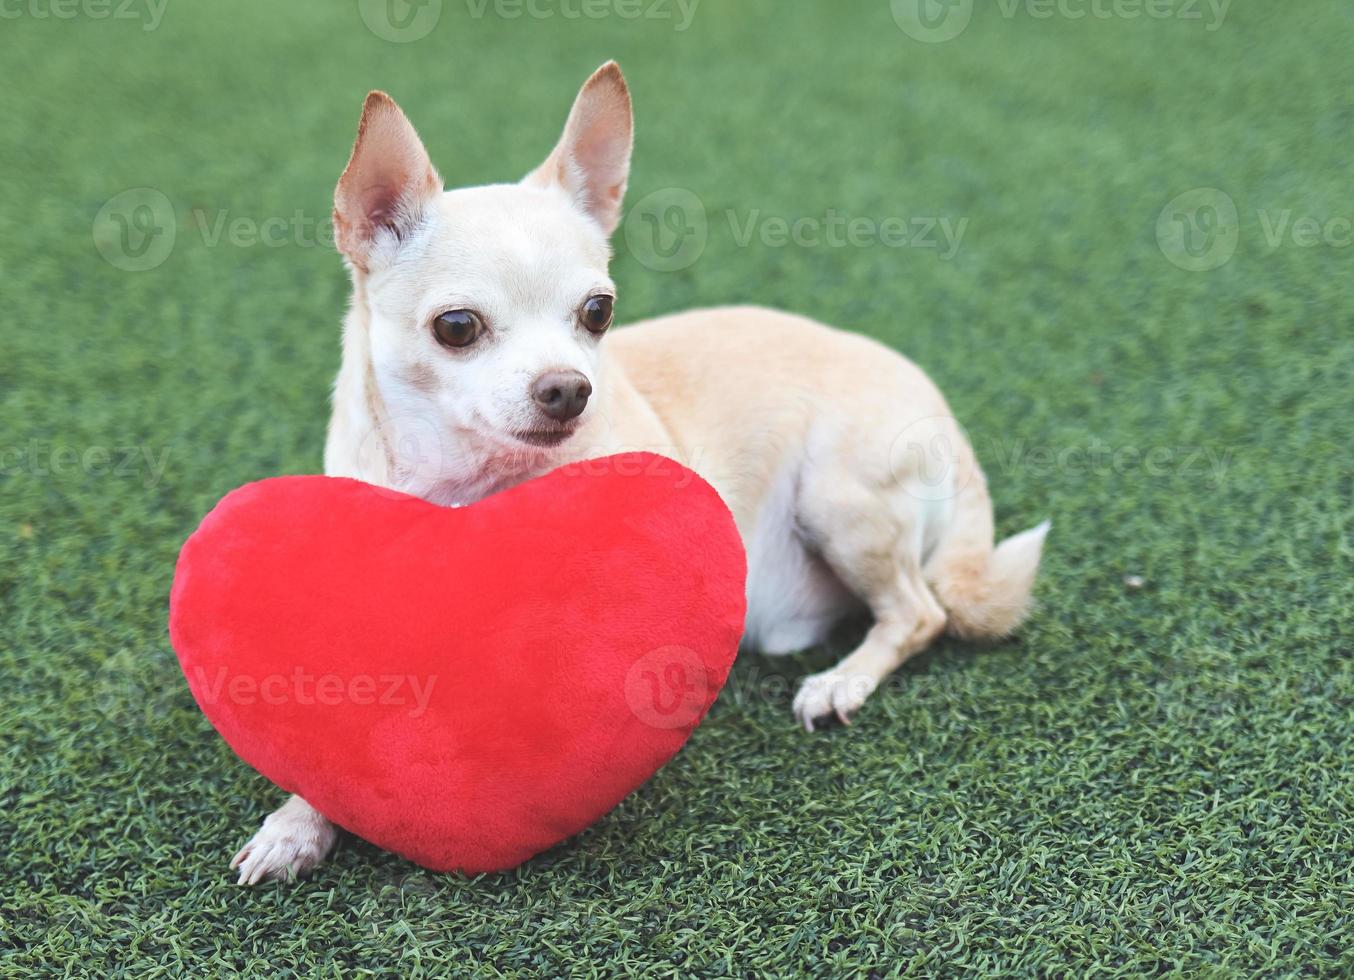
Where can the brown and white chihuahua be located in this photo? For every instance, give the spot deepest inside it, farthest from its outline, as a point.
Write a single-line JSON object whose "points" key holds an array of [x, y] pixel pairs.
{"points": [[477, 353]]}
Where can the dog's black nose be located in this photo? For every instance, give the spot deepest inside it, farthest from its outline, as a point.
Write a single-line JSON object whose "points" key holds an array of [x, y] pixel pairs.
{"points": [[561, 394]]}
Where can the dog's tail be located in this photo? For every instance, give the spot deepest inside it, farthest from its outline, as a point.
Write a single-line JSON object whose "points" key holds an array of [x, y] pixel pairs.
{"points": [[985, 590]]}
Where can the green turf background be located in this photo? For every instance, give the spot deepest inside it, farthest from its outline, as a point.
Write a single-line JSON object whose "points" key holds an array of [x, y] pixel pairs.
{"points": [[1149, 780]]}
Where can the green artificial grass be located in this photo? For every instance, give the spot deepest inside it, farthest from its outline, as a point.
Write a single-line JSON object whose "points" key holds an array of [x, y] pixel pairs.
{"points": [[1154, 778]]}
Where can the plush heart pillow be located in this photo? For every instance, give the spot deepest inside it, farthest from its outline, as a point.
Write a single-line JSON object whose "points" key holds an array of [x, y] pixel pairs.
{"points": [[463, 686]]}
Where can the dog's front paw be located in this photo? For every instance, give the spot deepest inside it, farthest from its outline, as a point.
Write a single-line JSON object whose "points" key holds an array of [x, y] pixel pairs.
{"points": [[291, 843], [833, 693]]}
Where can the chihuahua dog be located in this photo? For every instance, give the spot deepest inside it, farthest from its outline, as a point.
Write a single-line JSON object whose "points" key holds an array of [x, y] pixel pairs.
{"points": [[477, 353]]}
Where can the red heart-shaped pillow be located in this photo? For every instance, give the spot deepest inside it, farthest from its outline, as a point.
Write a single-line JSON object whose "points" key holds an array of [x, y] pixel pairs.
{"points": [[463, 686]]}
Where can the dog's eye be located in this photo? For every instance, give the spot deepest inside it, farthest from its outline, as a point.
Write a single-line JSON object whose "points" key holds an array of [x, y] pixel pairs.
{"points": [[596, 313], [457, 328]]}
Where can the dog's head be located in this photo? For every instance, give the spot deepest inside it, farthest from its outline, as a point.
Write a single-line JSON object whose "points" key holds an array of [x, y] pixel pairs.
{"points": [[485, 306]]}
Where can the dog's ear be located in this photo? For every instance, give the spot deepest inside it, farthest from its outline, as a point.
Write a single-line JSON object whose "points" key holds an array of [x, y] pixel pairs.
{"points": [[387, 183], [592, 159]]}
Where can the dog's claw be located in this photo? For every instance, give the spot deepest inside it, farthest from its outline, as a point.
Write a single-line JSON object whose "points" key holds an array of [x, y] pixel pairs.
{"points": [[831, 694], [290, 844]]}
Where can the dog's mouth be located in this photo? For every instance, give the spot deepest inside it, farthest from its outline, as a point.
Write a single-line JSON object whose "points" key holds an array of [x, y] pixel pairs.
{"points": [[544, 437]]}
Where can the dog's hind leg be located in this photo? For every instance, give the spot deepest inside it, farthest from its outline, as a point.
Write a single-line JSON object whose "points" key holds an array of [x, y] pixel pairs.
{"points": [[907, 619], [871, 537]]}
